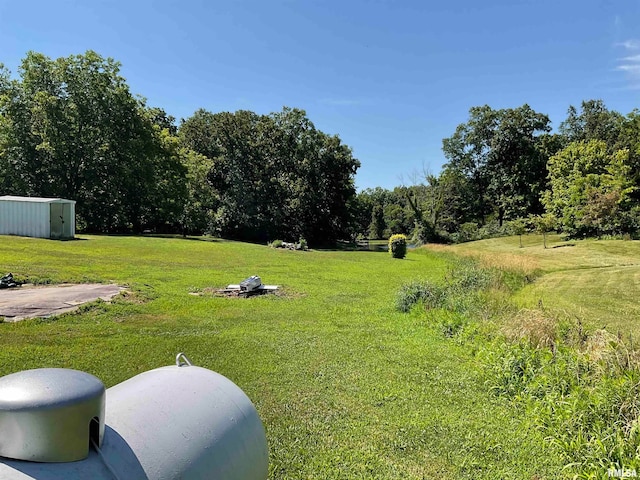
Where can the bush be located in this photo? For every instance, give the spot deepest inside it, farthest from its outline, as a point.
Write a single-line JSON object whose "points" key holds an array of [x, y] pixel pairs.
{"points": [[468, 232], [398, 246], [416, 292], [303, 244], [276, 244], [459, 293]]}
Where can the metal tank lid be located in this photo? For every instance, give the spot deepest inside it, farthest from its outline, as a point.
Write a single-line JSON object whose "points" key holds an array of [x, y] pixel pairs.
{"points": [[50, 414]]}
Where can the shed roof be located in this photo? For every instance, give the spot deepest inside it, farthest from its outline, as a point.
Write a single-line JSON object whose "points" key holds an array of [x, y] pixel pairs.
{"points": [[35, 199]]}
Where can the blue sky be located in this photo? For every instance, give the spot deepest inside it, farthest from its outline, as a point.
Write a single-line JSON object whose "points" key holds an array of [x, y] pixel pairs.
{"points": [[392, 78]]}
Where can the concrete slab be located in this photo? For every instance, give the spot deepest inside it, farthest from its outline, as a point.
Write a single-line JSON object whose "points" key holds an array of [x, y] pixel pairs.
{"points": [[31, 301]]}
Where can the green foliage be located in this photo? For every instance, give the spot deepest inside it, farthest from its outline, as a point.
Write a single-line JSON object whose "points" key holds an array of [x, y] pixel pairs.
{"points": [[588, 409], [397, 219], [497, 172], [276, 244], [498, 154], [201, 201], [398, 245], [544, 224], [518, 227], [302, 242], [579, 388], [71, 128], [467, 232], [590, 189], [419, 292], [593, 122], [378, 225], [459, 292], [275, 176]]}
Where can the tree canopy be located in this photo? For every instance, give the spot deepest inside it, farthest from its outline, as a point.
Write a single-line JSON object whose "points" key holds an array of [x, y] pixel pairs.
{"points": [[506, 170], [274, 176], [70, 127]]}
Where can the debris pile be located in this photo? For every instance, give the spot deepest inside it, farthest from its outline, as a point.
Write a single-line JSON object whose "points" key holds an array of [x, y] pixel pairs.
{"points": [[248, 287], [8, 282], [301, 245]]}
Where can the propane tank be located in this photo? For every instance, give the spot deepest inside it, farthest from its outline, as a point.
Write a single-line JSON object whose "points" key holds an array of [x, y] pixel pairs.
{"points": [[176, 422]]}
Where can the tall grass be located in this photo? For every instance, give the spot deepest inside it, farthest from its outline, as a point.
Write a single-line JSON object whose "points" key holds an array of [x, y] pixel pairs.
{"points": [[579, 387], [587, 407]]}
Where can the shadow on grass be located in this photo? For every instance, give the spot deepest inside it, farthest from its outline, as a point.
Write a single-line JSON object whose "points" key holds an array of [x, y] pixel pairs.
{"points": [[176, 236], [341, 248], [565, 245], [370, 246], [74, 239]]}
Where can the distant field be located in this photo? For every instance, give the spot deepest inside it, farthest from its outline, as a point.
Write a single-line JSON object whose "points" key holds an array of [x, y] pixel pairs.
{"points": [[595, 280], [348, 388]]}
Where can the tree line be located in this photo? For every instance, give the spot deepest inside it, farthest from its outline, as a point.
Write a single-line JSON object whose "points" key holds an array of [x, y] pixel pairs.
{"points": [[71, 128], [506, 170]]}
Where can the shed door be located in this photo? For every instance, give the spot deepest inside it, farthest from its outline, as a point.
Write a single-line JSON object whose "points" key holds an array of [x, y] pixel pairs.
{"points": [[57, 220], [66, 222]]}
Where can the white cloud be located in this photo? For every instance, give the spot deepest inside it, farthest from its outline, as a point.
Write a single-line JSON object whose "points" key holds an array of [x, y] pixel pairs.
{"points": [[630, 64], [631, 44], [629, 67]]}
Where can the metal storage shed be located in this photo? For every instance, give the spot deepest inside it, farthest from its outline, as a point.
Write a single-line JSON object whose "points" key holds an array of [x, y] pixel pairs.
{"points": [[37, 217]]}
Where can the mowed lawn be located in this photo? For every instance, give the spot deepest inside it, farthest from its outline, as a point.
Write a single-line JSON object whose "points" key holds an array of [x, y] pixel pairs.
{"points": [[347, 387], [597, 281]]}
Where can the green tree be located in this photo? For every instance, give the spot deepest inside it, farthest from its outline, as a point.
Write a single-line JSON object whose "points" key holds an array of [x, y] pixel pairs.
{"points": [[275, 176], [593, 122], [378, 225], [398, 218], [516, 165], [590, 189], [518, 227], [362, 208], [544, 224], [499, 154], [201, 201], [71, 128]]}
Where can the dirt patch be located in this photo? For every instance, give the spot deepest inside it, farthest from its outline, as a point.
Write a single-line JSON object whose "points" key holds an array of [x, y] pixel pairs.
{"points": [[31, 301], [234, 293]]}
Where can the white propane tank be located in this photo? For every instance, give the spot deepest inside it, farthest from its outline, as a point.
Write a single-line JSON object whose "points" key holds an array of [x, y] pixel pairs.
{"points": [[176, 422]]}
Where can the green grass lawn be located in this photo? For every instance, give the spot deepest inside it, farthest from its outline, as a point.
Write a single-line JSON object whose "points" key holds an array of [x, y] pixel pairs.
{"points": [[594, 280], [346, 386]]}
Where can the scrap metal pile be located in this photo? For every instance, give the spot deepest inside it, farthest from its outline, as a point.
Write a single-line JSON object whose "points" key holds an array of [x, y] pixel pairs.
{"points": [[248, 287], [8, 282]]}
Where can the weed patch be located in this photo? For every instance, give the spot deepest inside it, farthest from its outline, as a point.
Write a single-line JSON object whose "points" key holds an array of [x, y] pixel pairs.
{"points": [[461, 290], [580, 388]]}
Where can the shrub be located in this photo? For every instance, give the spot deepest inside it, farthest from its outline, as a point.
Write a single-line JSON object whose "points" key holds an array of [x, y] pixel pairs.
{"points": [[303, 243], [459, 293], [276, 244], [416, 292], [467, 276], [467, 232], [398, 246]]}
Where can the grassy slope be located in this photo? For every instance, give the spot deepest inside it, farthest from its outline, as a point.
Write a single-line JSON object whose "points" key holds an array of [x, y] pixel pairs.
{"points": [[346, 386], [596, 280]]}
